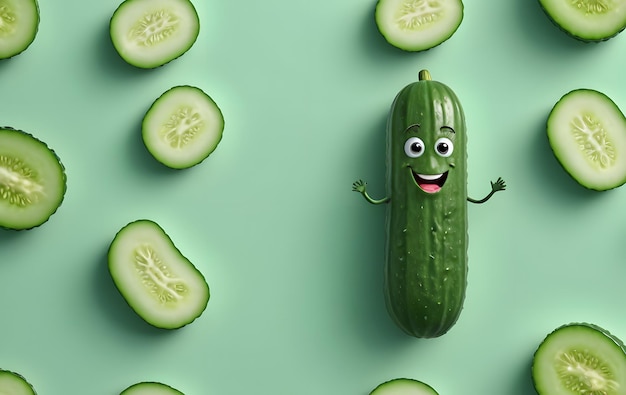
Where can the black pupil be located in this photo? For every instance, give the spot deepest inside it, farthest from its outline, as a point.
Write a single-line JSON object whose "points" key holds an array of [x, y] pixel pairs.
{"points": [[416, 147], [443, 148]]}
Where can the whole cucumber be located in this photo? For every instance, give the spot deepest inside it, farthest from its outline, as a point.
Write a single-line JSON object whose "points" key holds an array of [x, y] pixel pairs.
{"points": [[427, 231]]}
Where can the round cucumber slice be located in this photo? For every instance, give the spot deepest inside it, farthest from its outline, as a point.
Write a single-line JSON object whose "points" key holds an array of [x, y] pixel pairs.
{"points": [[32, 180], [150, 388], [150, 33], [156, 280], [14, 384], [587, 20], [403, 386], [580, 358], [19, 23], [182, 127], [587, 133], [418, 25]]}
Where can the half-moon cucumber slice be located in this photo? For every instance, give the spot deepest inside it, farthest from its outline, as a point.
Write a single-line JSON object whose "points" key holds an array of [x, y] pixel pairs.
{"points": [[587, 133], [32, 180], [12, 383], [157, 281], [580, 358], [150, 388], [150, 33], [418, 25], [403, 386], [587, 20], [19, 23]]}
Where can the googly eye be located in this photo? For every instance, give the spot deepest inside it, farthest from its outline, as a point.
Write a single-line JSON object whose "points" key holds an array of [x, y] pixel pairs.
{"points": [[414, 147], [444, 147]]}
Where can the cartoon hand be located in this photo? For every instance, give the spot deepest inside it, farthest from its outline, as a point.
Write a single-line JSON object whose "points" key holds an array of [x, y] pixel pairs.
{"points": [[359, 186], [499, 185]]}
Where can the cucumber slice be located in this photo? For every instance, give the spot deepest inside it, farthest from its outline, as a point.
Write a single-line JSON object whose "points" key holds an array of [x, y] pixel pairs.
{"points": [[156, 280], [19, 23], [403, 386], [418, 25], [150, 388], [32, 180], [587, 133], [580, 358], [12, 383], [182, 127], [587, 20], [150, 33]]}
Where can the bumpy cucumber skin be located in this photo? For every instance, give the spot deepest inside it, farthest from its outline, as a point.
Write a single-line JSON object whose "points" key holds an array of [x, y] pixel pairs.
{"points": [[417, 385], [64, 180], [20, 377], [415, 49], [535, 369], [35, 32], [111, 268], [160, 64], [426, 244], [578, 37], [161, 387]]}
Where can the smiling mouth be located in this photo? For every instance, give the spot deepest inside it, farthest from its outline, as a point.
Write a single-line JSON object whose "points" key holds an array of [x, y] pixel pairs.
{"points": [[430, 183]]}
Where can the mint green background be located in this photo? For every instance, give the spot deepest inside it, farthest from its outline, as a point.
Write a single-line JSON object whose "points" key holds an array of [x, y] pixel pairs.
{"points": [[293, 256]]}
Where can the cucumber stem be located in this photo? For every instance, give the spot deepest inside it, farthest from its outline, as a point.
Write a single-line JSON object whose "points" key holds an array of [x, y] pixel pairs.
{"points": [[424, 75]]}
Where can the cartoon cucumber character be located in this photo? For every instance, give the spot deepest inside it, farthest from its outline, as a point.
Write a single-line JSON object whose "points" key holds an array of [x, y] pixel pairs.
{"points": [[426, 246]]}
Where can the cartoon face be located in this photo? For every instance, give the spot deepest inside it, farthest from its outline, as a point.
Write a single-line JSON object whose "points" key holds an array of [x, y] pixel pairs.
{"points": [[429, 155]]}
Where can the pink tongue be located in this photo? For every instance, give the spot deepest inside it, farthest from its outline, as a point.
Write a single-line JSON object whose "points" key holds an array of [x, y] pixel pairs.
{"points": [[430, 188]]}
